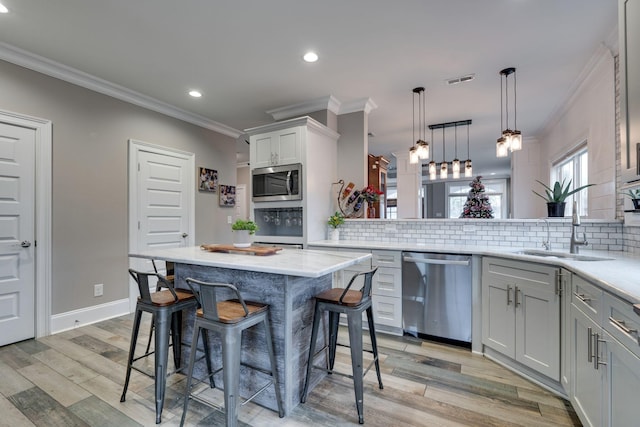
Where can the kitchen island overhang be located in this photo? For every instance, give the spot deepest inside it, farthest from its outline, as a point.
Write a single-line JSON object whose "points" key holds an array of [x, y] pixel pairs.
{"points": [[288, 282]]}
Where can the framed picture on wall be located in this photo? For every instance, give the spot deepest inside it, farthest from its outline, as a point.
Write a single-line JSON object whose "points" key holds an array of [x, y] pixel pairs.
{"points": [[208, 180], [227, 195]]}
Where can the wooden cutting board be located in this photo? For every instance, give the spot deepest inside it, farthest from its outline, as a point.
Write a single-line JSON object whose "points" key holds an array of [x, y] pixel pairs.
{"points": [[253, 250]]}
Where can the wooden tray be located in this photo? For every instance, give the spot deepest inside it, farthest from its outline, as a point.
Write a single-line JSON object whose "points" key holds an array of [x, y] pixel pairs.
{"points": [[253, 250]]}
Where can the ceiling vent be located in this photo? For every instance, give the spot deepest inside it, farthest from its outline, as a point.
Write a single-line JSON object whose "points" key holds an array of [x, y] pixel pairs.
{"points": [[461, 79]]}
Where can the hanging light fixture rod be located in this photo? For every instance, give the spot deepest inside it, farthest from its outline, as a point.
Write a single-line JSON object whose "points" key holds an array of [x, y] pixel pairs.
{"points": [[450, 124]]}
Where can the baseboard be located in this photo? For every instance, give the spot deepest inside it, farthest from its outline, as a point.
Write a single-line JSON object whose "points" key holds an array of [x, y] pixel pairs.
{"points": [[86, 316]]}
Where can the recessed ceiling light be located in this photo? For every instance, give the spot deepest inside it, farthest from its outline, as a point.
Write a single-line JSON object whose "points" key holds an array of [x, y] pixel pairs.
{"points": [[3, 8], [460, 79], [310, 57], [195, 93]]}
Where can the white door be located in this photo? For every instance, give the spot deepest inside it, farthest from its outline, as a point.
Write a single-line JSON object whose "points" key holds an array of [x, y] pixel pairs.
{"points": [[241, 202], [17, 231], [161, 201]]}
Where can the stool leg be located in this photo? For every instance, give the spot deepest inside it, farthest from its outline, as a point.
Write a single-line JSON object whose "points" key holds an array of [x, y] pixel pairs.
{"points": [[374, 344], [162, 320], [312, 349], [176, 338], [274, 368], [334, 320], [150, 336], [132, 351], [192, 361], [207, 355], [354, 321], [231, 374]]}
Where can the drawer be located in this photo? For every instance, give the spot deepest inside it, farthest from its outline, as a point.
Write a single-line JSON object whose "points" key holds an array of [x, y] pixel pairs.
{"points": [[622, 322], [388, 282], [587, 297], [387, 311], [386, 258]]}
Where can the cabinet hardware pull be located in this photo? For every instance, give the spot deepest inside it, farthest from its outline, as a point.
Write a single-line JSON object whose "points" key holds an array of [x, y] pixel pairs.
{"points": [[589, 345], [623, 326], [582, 297], [597, 362], [515, 294], [508, 294]]}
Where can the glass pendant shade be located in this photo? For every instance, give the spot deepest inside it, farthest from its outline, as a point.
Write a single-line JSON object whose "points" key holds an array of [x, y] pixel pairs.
{"points": [[423, 149], [432, 170], [468, 168], [516, 141], [455, 168], [501, 147], [444, 170], [413, 156]]}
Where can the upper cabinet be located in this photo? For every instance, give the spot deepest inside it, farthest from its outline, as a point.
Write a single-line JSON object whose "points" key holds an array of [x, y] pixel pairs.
{"points": [[281, 147], [629, 25]]}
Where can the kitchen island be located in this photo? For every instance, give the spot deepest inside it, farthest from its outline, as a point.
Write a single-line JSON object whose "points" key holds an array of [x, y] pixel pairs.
{"points": [[287, 281]]}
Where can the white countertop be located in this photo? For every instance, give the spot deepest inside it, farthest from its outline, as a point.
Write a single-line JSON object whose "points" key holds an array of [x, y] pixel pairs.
{"points": [[288, 262], [619, 275]]}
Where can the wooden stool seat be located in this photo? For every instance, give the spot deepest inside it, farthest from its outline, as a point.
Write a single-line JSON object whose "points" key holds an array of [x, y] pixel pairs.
{"points": [[231, 311], [351, 298]]}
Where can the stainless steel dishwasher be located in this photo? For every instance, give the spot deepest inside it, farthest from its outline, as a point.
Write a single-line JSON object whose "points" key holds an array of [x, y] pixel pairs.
{"points": [[436, 296]]}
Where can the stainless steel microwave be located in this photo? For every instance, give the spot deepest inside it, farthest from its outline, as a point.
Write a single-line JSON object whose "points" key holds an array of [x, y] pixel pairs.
{"points": [[277, 183]]}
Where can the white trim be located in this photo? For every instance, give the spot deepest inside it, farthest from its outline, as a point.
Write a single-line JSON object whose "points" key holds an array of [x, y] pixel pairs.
{"points": [[44, 135], [325, 103], [60, 71], [365, 104], [88, 315], [135, 146]]}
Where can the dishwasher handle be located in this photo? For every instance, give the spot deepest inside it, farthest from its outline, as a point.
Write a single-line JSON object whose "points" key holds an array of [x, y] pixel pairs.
{"points": [[435, 261]]}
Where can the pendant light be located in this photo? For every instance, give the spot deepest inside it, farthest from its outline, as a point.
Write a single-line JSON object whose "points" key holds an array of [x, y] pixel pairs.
{"points": [[455, 164], [468, 167], [510, 140], [420, 150], [432, 165], [444, 165]]}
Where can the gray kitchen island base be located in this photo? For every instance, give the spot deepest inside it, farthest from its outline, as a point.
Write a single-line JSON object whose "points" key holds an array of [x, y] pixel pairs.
{"points": [[291, 303]]}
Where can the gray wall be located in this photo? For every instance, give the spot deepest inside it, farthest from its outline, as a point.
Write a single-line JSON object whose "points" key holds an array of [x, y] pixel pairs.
{"points": [[353, 148], [90, 208]]}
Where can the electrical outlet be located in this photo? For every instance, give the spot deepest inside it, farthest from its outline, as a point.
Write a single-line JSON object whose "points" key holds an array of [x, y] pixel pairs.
{"points": [[229, 219], [98, 290]]}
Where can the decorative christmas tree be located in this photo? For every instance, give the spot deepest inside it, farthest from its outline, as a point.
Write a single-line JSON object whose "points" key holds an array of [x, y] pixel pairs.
{"points": [[477, 204]]}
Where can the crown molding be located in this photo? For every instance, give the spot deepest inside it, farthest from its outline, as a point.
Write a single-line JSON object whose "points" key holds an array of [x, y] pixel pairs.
{"points": [[325, 103], [71, 75], [365, 104]]}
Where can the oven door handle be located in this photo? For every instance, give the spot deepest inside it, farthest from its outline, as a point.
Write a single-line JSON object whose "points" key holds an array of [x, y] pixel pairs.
{"points": [[435, 261], [288, 183]]}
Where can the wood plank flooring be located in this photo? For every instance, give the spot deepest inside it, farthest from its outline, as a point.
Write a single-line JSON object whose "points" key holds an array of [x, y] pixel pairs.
{"points": [[75, 378]]}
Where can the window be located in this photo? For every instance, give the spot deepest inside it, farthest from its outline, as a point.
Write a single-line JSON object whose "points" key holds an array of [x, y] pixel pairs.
{"points": [[392, 203], [574, 168], [496, 189]]}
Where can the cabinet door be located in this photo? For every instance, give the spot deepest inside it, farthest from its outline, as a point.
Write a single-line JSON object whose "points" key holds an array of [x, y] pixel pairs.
{"points": [[537, 327], [388, 282], [498, 316], [387, 311], [261, 153], [587, 381], [623, 377], [286, 146], [565, 332]]}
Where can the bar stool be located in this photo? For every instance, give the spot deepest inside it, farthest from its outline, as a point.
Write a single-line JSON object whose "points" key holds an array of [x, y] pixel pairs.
{"points": [[229, 318], [352, 303], [165, 307], [168, 277]]}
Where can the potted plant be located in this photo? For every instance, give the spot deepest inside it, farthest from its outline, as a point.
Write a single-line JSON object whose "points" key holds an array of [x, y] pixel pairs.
{"points": [[335, 221], [634, 195], [242, 232], [557, 195]]}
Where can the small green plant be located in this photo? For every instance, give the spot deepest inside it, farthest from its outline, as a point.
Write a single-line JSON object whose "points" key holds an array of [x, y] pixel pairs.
{"points": [[241, 224], [559, 192], [633, 194], [335, 220]]}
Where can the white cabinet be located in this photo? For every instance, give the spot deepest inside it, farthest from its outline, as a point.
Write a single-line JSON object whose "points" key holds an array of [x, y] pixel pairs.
{"points": [[623, 378], [566, 371], [521, 313], [629, 27], [387, 290], [280, 147]]}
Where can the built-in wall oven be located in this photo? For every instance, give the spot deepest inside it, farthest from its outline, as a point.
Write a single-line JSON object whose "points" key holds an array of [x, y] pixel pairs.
{"points": [[277, 183]]}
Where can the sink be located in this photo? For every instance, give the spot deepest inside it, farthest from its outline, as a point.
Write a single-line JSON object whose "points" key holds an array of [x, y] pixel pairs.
{"points": [[562, 255]]}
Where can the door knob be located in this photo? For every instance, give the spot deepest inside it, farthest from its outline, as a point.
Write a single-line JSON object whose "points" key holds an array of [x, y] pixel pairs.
{"points": [[25, 244], [185, 235]]}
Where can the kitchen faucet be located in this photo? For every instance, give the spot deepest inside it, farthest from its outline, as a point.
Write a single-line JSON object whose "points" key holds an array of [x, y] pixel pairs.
{"points": [[575, 223], [546, 243]]}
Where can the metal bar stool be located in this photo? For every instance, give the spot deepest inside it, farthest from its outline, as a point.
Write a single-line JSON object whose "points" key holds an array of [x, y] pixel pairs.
{"points": [[166, 308], [169, 277], [352, 303], [229, 318]]}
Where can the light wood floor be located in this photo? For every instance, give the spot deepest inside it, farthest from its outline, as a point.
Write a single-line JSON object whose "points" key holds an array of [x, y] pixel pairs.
{"points": [[75, 379]]}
